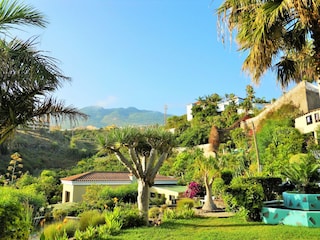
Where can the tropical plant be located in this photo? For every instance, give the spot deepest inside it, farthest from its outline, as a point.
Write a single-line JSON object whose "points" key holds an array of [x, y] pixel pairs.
{"points": [[270, 31], [27, 76], [303, 172], [14, 13], [147, 149], [208, 169]]}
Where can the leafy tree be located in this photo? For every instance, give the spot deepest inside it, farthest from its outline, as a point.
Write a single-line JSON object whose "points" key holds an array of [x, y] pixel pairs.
{"points": [[181, 166], [240, 138], [146, 149], [280, 143], [194, 136], [179, 124], [272, 31], [247, 103], [205, 108]]}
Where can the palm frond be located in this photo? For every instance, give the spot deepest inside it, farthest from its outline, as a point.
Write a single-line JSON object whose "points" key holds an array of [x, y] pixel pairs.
{"points": [[15, 13]]}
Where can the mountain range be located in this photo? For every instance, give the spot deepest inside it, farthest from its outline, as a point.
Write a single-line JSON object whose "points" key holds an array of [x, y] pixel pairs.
{"points": [[101, 117]]}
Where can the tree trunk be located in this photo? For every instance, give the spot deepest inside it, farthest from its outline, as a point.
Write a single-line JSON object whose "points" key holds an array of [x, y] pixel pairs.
{"points": [[143, 199], [208, 205]]}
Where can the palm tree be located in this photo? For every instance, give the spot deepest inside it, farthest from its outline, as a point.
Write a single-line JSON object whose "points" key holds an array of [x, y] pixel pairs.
{"points": [[27, 76], [27, 79], [147, 149], [207, 169], [13, 13], [276, 34]]}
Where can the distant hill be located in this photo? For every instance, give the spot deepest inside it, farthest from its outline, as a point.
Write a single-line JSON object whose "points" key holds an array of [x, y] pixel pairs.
{"points": [[101, 117]]}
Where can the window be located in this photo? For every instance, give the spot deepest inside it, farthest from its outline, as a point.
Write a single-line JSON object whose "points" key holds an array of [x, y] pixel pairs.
{"points": [[67, 196], [316, 117], [309, 119], [153, 195]]}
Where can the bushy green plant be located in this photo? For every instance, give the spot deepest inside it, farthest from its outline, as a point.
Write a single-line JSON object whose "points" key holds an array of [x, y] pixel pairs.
{"points": [[114, 221], [102, 197], [170, 214], [90, 233], [70, 226], [227, 176], [185, 203], [60, 211], [53, 231], [154, 212], [158, 200], [249, 196], [131, 217], [91, 218], [16, 212], [218, 186]]}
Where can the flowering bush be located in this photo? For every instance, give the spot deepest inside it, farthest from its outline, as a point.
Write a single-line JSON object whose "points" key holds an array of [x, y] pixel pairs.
{"points": [[193, 190]]}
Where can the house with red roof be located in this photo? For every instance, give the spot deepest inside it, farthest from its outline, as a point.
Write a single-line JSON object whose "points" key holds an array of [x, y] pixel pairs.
{"points": [[75, 186]]}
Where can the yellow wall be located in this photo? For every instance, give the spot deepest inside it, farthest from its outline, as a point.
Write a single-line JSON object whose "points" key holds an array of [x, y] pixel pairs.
{"points": [[76, 193]]}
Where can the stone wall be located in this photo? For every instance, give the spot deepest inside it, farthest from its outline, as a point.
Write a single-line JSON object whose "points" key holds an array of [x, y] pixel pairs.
{"points": [[305, 96]]}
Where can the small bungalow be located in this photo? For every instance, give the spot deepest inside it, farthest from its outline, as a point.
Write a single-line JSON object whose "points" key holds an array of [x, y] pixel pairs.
{"points": [[75, 186]]}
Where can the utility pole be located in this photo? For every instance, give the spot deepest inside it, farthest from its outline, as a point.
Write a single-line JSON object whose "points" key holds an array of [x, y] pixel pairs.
{"points": [[165, 113]]}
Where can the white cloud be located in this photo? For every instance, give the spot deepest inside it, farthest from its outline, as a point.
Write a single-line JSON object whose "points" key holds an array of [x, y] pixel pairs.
{"points": [[107, 102]]}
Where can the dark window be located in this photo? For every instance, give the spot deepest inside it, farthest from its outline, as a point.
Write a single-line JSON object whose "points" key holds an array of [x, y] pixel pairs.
{"points": [[316, 117], [67, 196], [153, 195], [309, 119]]}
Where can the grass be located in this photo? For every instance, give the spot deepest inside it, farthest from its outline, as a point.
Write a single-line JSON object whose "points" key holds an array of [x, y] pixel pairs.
{"points": [[218, 228]]}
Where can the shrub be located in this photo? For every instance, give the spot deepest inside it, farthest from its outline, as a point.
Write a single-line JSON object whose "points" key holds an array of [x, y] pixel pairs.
{"points": [[193, 190], [158, 200], [101, 197], [270, 186], [227, 176], [90, 233], [154, 212], [91, 218], [185, 203], [114, 221], [70, 226], [218, 186], [170, 214], [16, 212], [52, 231], [249, 196], [60, 211], [131, 217]]}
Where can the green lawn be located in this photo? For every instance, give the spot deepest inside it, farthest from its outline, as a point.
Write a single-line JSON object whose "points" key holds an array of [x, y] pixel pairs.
{"points": [[219, 228]]}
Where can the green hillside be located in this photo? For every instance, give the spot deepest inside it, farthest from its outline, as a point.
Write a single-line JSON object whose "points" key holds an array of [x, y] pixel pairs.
{"points": [[101, 117], [44, 150]]}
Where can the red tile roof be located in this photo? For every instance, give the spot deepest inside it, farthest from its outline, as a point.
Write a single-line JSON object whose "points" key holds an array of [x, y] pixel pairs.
{"points": [[109, 176], [99, 176]]}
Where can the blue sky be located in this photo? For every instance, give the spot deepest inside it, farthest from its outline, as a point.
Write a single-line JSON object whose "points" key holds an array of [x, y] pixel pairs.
{"points": [[141, 53]]}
